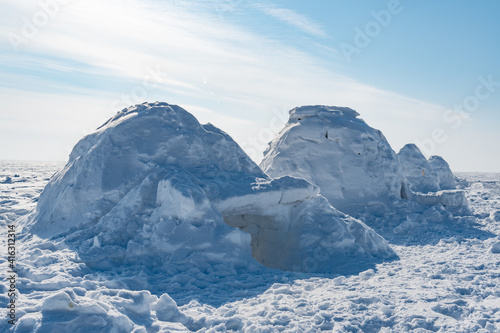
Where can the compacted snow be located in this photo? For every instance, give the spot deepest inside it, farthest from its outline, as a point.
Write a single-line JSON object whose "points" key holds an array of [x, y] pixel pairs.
{"points": [[332, 147], [446, 280], [154, 183], [354, 165], [441, 169], [160, 224]]}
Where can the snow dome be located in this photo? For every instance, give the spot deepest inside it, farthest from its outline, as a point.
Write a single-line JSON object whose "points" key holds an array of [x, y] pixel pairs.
{"points": [[443, 173], [331, 147], [418, 173], [429, 182], [154, 187], [354, 165]]}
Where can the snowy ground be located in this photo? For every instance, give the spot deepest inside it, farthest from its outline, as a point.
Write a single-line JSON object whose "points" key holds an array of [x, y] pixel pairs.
{"points": [[447, 280]]}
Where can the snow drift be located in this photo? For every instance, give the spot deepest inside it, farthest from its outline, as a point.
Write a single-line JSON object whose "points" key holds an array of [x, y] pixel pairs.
{"points": [[153, 187]]}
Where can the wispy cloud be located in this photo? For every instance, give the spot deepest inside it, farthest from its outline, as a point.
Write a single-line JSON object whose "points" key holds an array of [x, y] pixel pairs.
{"points": [[95, 53], [291, 17]]}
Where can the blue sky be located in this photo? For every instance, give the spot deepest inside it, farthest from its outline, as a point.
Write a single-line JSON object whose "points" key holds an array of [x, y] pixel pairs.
{"points": [[420, 71]]}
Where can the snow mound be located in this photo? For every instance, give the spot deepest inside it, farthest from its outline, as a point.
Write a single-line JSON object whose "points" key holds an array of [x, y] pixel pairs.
{"points": [[153, 187], [101, 311], [419, 175], [357, 170], [331, 147], [442, 170], [429, 182]]}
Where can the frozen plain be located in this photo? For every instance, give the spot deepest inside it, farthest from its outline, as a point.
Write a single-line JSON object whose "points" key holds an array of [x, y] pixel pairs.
{"points": [[447, 281], [446, 277]]}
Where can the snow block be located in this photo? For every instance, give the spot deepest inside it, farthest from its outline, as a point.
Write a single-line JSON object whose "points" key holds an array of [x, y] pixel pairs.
{"points": [[495, 247], [153, 187], [448, 198]]}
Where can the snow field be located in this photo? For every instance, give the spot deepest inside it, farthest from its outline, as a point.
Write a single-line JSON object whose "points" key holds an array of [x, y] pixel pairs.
{"points": [[449, 284], [155, 223]]}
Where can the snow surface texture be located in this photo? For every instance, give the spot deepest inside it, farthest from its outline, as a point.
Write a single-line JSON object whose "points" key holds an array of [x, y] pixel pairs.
{"points": [[354, 165], [155, 187], [331, 147], [446, 280]]}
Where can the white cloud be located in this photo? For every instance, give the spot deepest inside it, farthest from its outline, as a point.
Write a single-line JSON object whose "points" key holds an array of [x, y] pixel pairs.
{"points": [[291, 17], [204, 62]]}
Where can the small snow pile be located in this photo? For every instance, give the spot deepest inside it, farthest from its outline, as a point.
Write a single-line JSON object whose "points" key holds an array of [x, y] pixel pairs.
{"points": [[101, 311], [418, 173], [442, 170], [331, 147], [8, 180], [428, 182], [495, 215], [154, 188], [167, 310]]}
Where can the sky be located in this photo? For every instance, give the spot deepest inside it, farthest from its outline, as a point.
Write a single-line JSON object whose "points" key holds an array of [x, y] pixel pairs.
{"points": [[421, 71]]}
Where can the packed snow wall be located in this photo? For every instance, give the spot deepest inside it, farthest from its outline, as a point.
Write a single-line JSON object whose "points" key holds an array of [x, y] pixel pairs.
{"points": [[154, 186]]}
